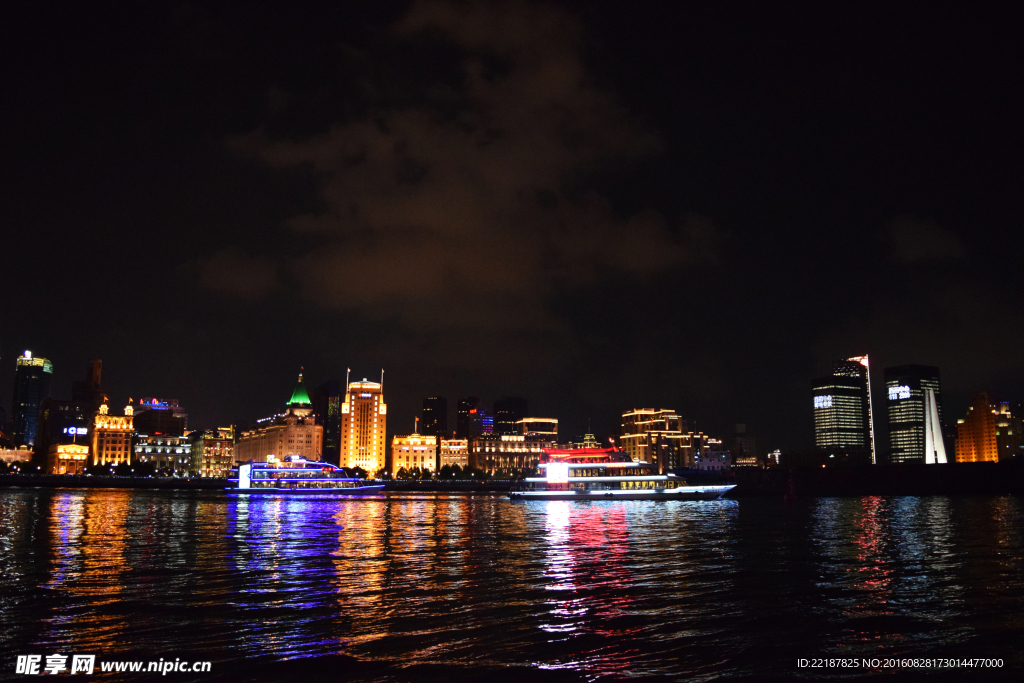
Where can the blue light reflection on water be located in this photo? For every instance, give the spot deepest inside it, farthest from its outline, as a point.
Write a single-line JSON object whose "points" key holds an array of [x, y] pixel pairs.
{"points": [[604, 588]]}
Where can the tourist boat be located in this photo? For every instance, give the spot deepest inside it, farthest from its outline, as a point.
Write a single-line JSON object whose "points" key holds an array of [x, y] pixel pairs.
{"points": [[606, 474], [296, 475]]}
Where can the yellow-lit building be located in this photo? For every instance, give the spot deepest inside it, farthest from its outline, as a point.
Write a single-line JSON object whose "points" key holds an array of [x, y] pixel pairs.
{"points": [[976, 439], [509, 453], [112, 437], [213, 452], [363, 424], [293, 432], [414, 450], [67, 458], [454, 452], [20, 456]]}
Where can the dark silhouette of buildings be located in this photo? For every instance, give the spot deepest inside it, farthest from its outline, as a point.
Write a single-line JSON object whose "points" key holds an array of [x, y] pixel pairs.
{"points": [[434, 418], [327, 409], [507, 412]]}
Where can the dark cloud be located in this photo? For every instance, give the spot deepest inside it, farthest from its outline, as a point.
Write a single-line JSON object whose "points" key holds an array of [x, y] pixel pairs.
{"points": [[464, 224], [232, 272]]}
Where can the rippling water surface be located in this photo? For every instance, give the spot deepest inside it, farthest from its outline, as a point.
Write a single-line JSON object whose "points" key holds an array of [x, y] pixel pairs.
{"points": [[602, 589]]}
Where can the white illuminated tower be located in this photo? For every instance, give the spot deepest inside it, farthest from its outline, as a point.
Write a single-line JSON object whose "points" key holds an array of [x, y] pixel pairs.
{"points": [[934, 448]]}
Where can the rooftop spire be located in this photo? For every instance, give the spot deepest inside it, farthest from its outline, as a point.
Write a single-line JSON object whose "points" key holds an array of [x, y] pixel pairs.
{"points": [[299, 396]]}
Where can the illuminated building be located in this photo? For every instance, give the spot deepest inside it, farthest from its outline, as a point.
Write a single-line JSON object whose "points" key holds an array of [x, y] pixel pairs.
{"points": [[914, 398], [841, 413], [363, 426], [414, 450], [32, 378], [657, 437], [158, 414], [716, 460], [537, 426], [507, 452], [434, 418], [454, 452], [989, 432], [508, 412], [112, 437], [744, 448], [67, 458], [16, 456], [327, 408], [471, 419], [212, 452], [293, 432]]}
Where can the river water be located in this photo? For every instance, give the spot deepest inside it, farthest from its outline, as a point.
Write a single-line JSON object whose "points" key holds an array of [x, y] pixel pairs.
{"points": [[466, 587]]}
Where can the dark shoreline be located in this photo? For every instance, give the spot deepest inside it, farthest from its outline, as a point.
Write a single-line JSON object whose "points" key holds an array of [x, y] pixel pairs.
{"points": [[864, 480]]}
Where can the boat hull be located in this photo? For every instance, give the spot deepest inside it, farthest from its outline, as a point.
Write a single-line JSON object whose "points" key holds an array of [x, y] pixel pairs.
{"points": [[680, 493], [268, 491]]}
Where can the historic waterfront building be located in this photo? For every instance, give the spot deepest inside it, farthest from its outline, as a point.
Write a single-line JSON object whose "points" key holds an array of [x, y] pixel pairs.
{"points": [[67, 458], [112, 437], [454, 452], [212, 452], [363, 424], [536, 426], [32, 377], [293, 432], [509, 453], [412, 451], [657, 437]]}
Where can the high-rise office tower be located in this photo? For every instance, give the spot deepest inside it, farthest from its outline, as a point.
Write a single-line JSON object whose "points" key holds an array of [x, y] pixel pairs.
{"points": [[32, 378], [914, 398], [507, 412], [467, 407], [327, 408], [841, 408], [434, 419], [363, 426]]}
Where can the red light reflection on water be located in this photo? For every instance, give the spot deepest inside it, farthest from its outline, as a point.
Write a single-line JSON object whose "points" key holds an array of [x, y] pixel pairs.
{"points": [[872, 575], [587, 547]]}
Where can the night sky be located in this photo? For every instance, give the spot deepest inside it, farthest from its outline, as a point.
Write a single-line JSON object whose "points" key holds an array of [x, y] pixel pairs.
{"points": [[596, 207]]}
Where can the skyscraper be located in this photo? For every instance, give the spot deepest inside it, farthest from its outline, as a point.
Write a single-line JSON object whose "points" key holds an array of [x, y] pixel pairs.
{"points": [[914, 398], [841, 409], [978, 433], [32, 378], [466, 407], [507, 412], [327, 408], [434, 419], [363, 426]]}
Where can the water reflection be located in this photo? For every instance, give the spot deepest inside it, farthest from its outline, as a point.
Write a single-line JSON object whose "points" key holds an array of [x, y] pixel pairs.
{"points": [[640, 588]]}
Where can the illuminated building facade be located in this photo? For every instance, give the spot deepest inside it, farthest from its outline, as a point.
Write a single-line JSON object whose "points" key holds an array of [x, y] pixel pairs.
{"points": [[412, 451], [744, 448], [914, 407], [840, 413], [537, 426], [716, 460], [363, 426], [32, 377], [657, 437], [16, 456], [293, 432], [112, 437], [163, 415], [510, 453], [508, 412], [434, 418], [327, 408], [67, 458], [989, 432], [454, 452], [212, 452]]}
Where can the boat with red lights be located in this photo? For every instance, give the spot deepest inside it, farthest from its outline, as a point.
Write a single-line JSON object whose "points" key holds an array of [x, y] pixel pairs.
{"points": [[606, 474], [296, 475]]}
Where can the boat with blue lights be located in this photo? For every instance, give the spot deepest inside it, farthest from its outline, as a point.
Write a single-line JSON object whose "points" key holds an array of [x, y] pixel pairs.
{"points": [[606, 474], [294, 475]]}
